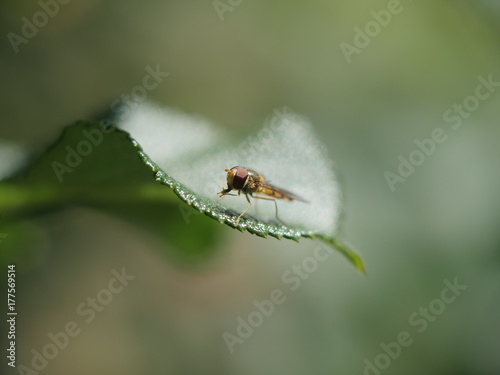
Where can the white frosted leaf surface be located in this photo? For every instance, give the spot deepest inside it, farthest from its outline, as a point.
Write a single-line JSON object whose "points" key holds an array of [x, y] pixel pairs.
{"points": [[168, 135], [290, 157], [285, 151]]}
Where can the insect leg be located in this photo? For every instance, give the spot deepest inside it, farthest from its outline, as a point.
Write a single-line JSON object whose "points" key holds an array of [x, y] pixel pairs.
{"points": [[244, 212], [275, 205], [225, 191]]}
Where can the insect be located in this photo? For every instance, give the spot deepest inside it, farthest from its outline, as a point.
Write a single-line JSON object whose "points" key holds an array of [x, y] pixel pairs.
{"points": [[249, 182]]}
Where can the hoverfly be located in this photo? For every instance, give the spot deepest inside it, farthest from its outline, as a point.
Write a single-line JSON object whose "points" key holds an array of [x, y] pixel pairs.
{"points": [[249, 182]]}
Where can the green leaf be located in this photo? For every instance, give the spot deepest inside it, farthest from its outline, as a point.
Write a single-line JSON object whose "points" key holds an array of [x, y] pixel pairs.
{"points": [[286, 150], [108, 169]]}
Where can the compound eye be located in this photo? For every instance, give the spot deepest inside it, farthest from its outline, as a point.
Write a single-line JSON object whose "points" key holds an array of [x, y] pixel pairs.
{"points": [[240, 178]]}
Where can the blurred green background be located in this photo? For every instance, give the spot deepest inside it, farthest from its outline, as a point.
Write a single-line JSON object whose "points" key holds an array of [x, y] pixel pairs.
{"points": [[234, 69]]}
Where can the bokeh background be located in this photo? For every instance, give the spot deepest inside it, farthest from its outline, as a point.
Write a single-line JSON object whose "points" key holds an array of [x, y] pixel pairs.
{"points": [[441, 223]]}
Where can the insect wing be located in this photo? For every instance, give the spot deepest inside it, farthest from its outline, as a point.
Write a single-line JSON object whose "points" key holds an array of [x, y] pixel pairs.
{"points": [[273, 191]]}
